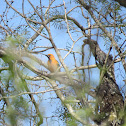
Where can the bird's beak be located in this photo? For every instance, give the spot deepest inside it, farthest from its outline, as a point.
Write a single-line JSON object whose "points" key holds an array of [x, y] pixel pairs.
{"points": [[46, 55]]}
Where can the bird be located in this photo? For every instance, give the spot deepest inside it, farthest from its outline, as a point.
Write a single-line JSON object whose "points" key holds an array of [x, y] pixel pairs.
{"points": [[53, 64]]}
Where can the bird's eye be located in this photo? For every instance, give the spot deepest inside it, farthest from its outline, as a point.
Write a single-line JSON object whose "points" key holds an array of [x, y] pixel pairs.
{"points": [[49, 56]]}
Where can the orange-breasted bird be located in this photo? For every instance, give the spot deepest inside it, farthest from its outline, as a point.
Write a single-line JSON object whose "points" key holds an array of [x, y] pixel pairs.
{"points": [[53, 64]]}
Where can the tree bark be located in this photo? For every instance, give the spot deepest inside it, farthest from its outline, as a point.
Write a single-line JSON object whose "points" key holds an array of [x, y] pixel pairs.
{"points": [[109, 98], [121, 2]]}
